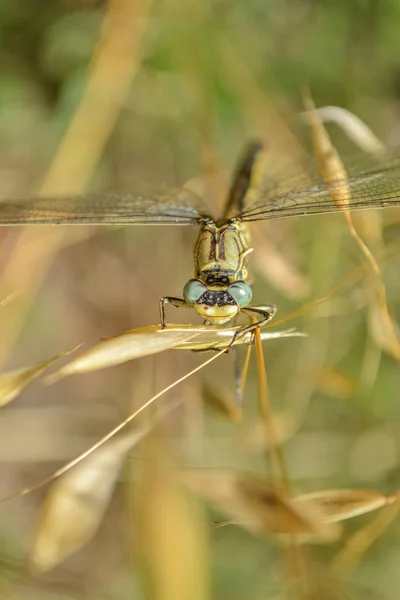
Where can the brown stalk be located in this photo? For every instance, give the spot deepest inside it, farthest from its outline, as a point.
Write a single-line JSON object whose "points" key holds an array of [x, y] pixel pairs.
{"points": [[278, 469], [296, 563]]}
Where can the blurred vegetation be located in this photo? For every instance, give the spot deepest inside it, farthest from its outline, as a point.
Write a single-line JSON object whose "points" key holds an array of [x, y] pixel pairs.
{"points": [[202, 78]]}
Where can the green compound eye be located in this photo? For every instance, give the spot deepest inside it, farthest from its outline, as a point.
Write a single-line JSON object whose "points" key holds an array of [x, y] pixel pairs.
{"points": [[193, 290], [241, 293]]}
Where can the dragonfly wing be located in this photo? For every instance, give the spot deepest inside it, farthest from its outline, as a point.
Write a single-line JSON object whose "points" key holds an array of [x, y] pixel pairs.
{"points": [[375, 187], [178, 207]]}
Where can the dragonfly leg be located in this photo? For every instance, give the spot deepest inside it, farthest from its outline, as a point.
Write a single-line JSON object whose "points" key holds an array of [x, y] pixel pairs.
{"points": [[177, 302], [263, 314]]}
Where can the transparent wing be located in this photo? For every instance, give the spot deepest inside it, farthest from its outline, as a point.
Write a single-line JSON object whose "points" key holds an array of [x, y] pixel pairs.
{"points": [[371, 185], [180, 206]]}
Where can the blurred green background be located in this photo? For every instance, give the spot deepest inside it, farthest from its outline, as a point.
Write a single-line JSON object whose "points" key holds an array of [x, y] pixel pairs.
{"points": [[210, 75]]}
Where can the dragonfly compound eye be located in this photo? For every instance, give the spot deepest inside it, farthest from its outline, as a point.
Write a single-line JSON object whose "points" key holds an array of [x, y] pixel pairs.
{"points": [[193, 290], [241, 293]]}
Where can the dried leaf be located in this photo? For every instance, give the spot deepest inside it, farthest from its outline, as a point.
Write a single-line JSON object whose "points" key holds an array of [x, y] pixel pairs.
{"points": [[338, 505], [13, 382], [74, 506], [259, 507], [172, 535]]}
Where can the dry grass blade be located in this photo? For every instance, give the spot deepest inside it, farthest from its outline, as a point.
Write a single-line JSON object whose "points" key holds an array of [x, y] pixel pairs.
{"points": [[13, 382], [67, 467], [75, 505], [122, 348], [329, 163], [354, 127], [145, 341], [338, 505], [334, 173], [213, 338], [172, 535], [258, 506]]}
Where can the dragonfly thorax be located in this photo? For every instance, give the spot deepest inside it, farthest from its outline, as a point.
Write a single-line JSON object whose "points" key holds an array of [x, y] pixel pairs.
{"points": [[222, 251]]}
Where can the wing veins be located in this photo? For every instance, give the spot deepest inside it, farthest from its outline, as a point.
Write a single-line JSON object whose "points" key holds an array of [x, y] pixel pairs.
{"points": [[175, 207], [372, 189]]}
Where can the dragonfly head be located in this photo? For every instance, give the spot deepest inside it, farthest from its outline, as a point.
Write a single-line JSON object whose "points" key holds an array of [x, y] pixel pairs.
{"points": [[217, 302]]}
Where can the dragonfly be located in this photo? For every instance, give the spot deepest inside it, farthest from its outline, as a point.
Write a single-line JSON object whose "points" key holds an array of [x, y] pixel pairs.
{"points": [[220, 288]]}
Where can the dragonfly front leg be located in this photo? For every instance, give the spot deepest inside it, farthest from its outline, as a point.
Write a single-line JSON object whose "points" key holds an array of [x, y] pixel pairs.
{"points": [[177, 302], [264, 314]]}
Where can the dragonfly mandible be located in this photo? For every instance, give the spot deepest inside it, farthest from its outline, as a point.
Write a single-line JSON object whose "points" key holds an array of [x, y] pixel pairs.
{"points": [[220, 289]]}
